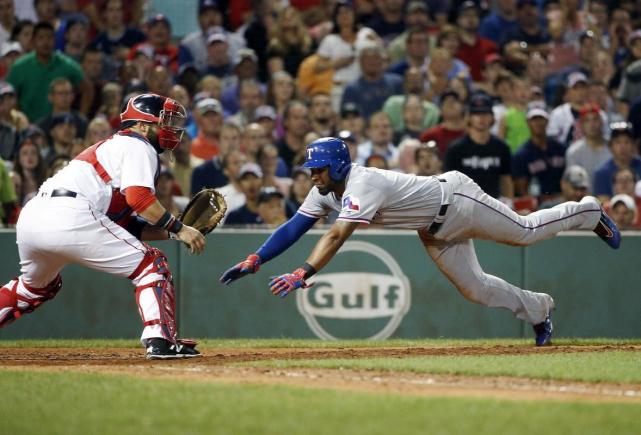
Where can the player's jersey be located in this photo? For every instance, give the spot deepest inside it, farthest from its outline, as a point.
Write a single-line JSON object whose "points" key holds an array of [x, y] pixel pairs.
{"points": [[381, 197], [104, 170]]}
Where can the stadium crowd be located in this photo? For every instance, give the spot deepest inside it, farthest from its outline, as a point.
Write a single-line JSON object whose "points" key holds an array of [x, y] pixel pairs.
{"points": [[539, 101]]}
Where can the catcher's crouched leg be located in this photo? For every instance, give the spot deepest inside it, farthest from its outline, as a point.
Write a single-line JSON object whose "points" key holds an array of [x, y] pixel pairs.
{"points": [[18, 298], [155, 297]]}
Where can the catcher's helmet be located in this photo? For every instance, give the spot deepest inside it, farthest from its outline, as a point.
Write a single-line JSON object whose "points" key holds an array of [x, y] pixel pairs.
{"points": [[169, 114], [329, 151]]}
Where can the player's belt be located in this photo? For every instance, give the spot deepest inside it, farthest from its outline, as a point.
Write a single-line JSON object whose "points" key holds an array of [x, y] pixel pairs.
{"points": [[63, 192], [436, 225]]}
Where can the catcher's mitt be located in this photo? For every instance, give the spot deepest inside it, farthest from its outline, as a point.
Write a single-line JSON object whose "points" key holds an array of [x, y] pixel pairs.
{"points": [[204, 211]]}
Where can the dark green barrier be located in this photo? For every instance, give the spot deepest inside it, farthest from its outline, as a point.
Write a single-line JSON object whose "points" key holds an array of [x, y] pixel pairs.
{"points": [[380, 284]]}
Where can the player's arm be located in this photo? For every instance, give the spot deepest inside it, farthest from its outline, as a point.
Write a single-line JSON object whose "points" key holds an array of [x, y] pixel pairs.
{"points": [[145, 203], [323, 252], [280, 240]]}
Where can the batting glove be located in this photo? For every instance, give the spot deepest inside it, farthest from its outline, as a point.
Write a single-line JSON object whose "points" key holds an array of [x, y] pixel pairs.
{"points": [[282, 285], [250, 265]]}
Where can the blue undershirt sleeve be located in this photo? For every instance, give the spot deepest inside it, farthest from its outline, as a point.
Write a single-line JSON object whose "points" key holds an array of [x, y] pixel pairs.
{"points": [[285, 236]]}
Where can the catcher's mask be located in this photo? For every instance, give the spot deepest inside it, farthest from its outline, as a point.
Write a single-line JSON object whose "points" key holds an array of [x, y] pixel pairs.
{"points": [[329, 152], [168, 114]]}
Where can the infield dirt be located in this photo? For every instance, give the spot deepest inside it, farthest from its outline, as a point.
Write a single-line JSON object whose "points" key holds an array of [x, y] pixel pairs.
{"points": [[221, 365]]}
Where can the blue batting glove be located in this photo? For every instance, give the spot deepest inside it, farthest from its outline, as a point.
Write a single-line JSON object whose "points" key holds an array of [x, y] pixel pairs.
{"points": [[250, 265], [284, 284]]}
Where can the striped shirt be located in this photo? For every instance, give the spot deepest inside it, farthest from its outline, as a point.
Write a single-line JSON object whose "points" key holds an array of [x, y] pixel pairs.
{"points": [[380, 197]]}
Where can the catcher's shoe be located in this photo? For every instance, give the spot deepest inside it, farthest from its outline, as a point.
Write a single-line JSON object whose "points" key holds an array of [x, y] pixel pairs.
{"points": [[159, 348], [543, 331]]}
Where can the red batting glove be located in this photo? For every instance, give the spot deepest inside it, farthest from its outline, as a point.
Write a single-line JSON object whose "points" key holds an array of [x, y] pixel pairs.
{"points": [[250, 265], [282, 285]]}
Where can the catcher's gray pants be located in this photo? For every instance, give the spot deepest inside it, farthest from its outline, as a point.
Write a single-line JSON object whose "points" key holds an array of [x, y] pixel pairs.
{"points": [[473, 214]]}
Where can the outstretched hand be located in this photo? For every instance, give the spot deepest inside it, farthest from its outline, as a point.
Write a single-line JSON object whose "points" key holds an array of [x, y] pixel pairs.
{"points": [[284, 284], [250, 265]]}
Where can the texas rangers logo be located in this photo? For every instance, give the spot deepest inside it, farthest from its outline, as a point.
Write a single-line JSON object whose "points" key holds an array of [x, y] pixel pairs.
{"points": [[351, 204]]}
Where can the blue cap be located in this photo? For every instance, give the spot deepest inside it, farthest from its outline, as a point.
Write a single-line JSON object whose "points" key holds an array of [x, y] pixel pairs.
{"points": [[480, 103]]}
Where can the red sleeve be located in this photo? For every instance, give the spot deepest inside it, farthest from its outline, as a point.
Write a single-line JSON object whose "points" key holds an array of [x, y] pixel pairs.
{"points": [[139, 198]]}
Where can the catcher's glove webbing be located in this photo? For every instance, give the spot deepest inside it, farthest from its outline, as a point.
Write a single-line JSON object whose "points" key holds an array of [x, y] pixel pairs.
{"points": [[204, 211]]}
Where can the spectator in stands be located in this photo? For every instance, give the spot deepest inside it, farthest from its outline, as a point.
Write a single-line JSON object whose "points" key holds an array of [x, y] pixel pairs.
{"points": [[280, 92], [301, 185], [231, 164], [380, 135], [291, 41], [513, 127], [256, 34], [63, 132], [575, 185], [271, 207], [406, 155], [376, 161], [31, 80], [9, 52], [250, 182], [443, 62], [563, 125], [296, 124], [181, 165], [624, 212], [630, 86], [22, 33], [230, 138], [268, 159], [483, 157], [388, 23], [370, 91], [29, 167], [352, 121], [498, 22], [97, 130], [528, 28], [427, 160], [254, 137], [116, 39], [395, 106], [8, 20], [250, 97], [46, 12], [413, 117], [7, 195], [416, 17], [75, 38], [309, 82], [209, 118], [624, 155], [321, 115], [61, 97], [418, 49], [92, 66], [9, 112], [159, 80], [8, 131], [218, 61], [158, 45], [266, 117], [473, 48], [111, 99], [352, 145], [591, 151], [539, 163], [245, 63], [193, 47], [452, 125]]}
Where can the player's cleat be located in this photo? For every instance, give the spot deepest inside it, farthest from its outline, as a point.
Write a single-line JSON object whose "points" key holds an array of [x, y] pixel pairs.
{"points": [[159, 348], [608, 231], [543, 331]]}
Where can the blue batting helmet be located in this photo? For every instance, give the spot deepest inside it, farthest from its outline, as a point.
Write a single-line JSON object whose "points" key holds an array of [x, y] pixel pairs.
{"points": [[331, 152]]}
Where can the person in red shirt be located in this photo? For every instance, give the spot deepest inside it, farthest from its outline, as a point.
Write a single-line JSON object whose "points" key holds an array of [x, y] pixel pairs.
{"points": [[452, 125], [473, 48], [158, 45], [209, 120]]}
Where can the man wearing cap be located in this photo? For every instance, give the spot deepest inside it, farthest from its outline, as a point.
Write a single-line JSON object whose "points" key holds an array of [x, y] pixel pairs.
{"points": [[63, 132], [575, 185], [8, 131], [473, 48], [591, 151], [32, 73], [416, 17], [265, 116], [370, 91], [452, 125], [250, 181], [158, 30], [271, 207], [245, 65], [117, 38], [352, 121], [218, 62], [193, 47], [483, 157], [209, 118], [8, 54], [624, 154], [539, 163], [529, 28], [564, 119]]}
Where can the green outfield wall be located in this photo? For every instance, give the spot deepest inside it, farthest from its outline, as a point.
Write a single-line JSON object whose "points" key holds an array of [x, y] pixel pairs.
{"points": [[381, 284]]}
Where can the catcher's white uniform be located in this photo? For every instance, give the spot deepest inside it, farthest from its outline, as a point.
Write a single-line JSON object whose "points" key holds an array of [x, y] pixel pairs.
{"points": [[79, 216], [448, 211]]}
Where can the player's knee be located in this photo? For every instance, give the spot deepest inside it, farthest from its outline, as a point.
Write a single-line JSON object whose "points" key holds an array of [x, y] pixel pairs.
{"points": [[474, 287], [153, 267]]}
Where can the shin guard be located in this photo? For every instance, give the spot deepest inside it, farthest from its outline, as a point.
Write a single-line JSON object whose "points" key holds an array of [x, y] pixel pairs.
{"points": [[18, 298]]}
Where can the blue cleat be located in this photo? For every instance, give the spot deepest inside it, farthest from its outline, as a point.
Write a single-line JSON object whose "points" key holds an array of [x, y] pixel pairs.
{"points": [[608, 231], [543, 331]]}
